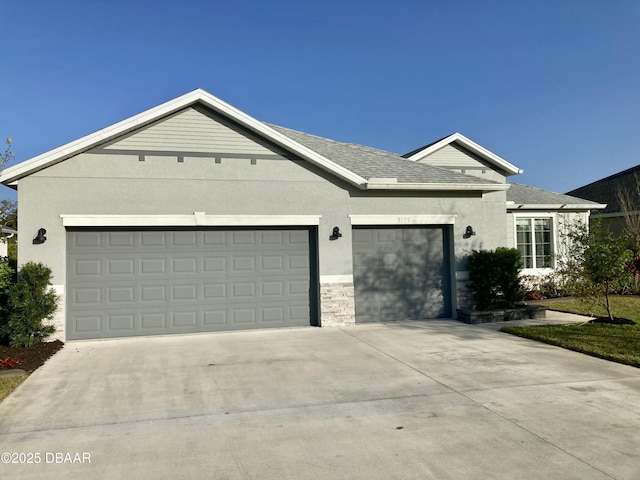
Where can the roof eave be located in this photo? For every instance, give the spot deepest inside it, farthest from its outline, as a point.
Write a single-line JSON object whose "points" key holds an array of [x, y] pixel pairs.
{"points": [[555, 206], [439, 186], [491, 157]]}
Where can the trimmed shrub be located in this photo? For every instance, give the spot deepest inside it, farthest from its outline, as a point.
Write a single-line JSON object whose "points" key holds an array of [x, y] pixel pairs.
{"points": [[30, 302], [495, 278]]}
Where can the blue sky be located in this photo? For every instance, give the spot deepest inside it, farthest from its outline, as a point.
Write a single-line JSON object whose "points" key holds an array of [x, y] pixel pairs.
{"points": [[551, 86]]}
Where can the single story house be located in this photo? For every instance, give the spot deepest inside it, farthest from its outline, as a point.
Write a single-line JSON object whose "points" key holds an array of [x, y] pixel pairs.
{"points": [[194, 216]]}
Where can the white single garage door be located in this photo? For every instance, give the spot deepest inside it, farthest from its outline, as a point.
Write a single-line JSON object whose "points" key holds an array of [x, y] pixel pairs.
{"points": [[123, 283], [401, 273]]}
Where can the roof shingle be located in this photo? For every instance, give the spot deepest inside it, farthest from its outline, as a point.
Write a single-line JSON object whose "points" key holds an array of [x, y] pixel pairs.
{"points": [[373, 163], [525, 195]]}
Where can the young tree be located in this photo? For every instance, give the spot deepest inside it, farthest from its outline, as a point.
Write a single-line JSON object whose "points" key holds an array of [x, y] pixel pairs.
{"points": [[629, 200], [9, 213], [7, 155], [595, 261]]}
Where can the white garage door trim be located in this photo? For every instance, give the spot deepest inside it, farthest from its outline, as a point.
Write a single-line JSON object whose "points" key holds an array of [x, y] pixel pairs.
{"points": [[198, 219], [402, 219]]}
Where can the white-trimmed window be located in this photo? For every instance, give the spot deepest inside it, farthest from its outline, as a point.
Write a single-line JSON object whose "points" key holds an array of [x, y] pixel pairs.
{"points": [[534, 239]]}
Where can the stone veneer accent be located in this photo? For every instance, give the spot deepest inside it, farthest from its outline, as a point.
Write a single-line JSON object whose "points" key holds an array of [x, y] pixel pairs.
{"points": [[58, 318], [464, 295], [337, 305]]}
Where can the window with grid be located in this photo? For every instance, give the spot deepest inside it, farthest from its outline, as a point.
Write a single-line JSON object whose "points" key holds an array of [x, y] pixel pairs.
{"points": [[535, 241]]}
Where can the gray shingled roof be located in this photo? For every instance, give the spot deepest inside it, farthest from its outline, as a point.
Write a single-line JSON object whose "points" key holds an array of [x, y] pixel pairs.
{"points": [[606, 190], [522, 194], [372, 163]]}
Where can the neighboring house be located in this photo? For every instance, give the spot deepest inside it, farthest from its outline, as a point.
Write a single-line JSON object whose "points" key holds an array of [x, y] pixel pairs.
{"points": [[607, 191], [7, 233], [194, 216]]}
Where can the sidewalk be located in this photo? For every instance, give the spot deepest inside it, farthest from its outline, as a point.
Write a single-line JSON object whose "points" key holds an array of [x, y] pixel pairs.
{"points": [[552, 318]]}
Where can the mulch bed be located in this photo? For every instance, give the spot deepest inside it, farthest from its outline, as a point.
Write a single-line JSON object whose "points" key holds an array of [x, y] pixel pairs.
{"points": [[34, 357], [615, 321]]}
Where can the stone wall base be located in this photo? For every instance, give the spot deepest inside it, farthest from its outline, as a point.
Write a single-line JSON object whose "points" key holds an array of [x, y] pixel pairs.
{"points": [[486, 316], [337, 305], [464, 295]]}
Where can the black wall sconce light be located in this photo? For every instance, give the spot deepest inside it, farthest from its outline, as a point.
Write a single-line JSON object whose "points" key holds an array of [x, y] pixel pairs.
{"points": [[469, 232], [40, 237], [335, 234]]}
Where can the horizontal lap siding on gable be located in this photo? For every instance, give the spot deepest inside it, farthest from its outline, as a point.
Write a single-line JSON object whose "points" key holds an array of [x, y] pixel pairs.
{"points": [[459, 159], [194, 130]]}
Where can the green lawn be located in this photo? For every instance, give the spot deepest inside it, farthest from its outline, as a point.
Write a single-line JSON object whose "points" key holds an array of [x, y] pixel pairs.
{"points": [[9, 384], [619, 343]]}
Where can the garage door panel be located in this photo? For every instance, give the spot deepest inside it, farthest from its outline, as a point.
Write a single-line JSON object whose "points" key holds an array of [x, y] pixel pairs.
{"points": [[185, 319], [243, 264], [243, 238], [121, 295], [122, 267], [88, 324], [184, 265], [271, 238], [88, 267], [214, 238], [152, 321], [120, 240], [87, 239], [152, 293], [121, 322], [184, 239], [152, 239], [84, 296], [152, 282], [214, 318], [400, 273]]}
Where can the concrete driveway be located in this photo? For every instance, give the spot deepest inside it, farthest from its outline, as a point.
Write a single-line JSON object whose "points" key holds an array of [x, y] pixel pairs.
{"points": [[437, 399]]}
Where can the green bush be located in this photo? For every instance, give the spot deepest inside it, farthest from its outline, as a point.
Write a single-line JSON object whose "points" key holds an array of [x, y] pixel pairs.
{"points": [[30, 302], [7, 279], [12, 253], [495, 278]]}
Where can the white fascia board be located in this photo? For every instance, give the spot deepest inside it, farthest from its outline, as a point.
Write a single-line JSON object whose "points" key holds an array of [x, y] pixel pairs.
{"points": [[483, 187], [471, 145], [401, 219], [12, 174], [198, 219], [514, 207]]}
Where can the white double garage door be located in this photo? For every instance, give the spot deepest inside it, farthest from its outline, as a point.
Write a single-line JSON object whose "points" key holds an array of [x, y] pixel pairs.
{"points": [[123, 282]]}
